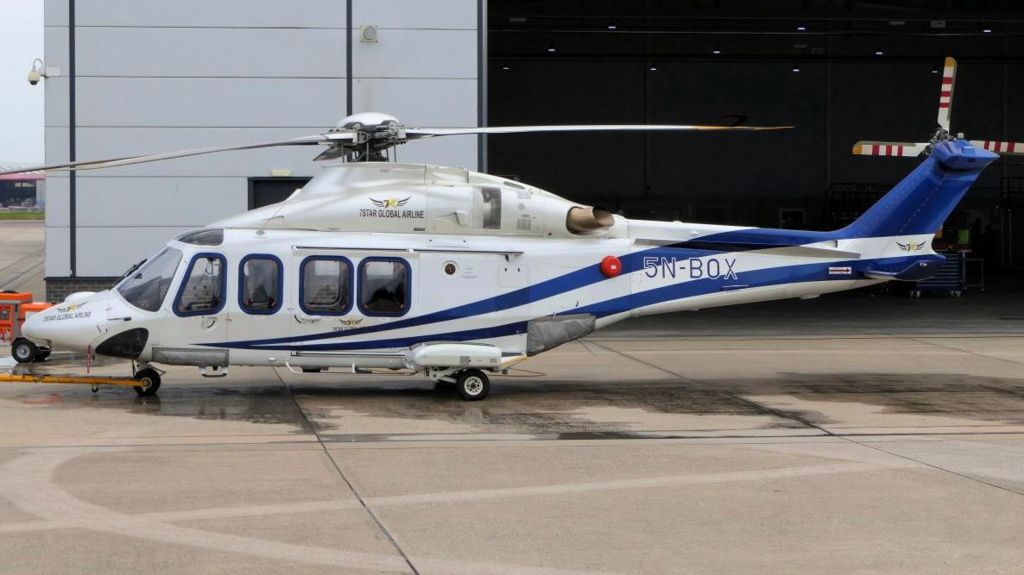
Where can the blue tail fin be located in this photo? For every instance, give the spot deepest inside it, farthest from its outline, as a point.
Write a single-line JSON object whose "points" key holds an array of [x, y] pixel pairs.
{"points": [[925, 198]]}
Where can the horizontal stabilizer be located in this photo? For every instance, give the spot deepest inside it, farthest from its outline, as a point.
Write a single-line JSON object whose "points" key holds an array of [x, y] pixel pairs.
{"points": [[905, 149], [916, 271], [815, 252]]}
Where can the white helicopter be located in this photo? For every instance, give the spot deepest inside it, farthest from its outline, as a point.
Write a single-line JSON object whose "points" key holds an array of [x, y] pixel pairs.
{"points": [[456, 273]]}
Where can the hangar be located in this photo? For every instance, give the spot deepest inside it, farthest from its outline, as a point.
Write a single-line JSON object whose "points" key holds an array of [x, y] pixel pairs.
{"points": [[142, 77]]}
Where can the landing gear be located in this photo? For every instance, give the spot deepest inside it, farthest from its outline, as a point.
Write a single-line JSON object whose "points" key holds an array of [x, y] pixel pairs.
{"points": [[473, 385], [149, 382], [24, 351]]}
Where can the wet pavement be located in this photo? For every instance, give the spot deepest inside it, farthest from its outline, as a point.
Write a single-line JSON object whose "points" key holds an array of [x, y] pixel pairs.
{"points": [[21, 256], [630, 451]]}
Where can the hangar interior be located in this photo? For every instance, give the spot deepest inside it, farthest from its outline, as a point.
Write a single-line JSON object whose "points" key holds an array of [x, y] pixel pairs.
{"points": [[839, 72]]}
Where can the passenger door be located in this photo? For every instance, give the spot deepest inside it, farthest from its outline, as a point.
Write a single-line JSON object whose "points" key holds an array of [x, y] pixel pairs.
{"points": [[336, 293], [322, 295], [258, 307], [201, 299]]}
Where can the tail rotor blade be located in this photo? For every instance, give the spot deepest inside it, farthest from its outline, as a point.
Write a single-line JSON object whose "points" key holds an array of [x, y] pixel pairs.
{"points": [[895, 149], [1001, 148], [946, 93]]}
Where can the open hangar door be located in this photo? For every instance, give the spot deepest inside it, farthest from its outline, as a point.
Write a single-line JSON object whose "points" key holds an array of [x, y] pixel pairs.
{"points": [[838, 72]]}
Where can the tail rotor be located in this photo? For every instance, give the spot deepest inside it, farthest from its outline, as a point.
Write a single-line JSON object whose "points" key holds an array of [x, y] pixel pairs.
{"points": [[943, 132]]}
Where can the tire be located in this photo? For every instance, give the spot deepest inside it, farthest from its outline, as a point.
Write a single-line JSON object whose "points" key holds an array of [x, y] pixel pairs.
{"points": [[24, 351], [150, 380], [473, 385]]}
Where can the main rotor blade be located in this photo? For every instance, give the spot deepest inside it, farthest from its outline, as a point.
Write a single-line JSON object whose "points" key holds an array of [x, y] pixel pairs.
{"points": [[889, 148], [328, 138], [414, 133], [946, 93]]}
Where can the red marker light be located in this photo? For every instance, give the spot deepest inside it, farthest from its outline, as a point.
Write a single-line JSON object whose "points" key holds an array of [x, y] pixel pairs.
{"points": [[611, 266]]}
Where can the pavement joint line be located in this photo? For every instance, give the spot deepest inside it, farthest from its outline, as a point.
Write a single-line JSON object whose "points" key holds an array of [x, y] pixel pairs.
{"points": [[734, 395], [13, 279], [444, 497], [583, 343], [846, 437], [968, 351], [352, 488], [625, 337]]}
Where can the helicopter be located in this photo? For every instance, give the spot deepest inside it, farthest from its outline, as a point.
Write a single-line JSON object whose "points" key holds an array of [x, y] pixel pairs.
{"points": [[457, 274]]}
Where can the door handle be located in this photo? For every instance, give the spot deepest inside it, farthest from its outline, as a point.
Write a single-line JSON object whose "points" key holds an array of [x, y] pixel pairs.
{"points": [[209, 322], [307, 318]]}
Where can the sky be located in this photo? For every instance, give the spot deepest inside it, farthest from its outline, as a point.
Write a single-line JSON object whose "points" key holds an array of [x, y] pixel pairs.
{"points": [[21, 105]]}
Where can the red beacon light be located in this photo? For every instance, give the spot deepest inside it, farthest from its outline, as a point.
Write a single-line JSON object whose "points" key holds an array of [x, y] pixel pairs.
{"points": [[611, 266]]}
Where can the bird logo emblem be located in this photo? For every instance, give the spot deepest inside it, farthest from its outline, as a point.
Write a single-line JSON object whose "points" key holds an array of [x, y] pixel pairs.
{"points": [[911, 247], [391, 202]]}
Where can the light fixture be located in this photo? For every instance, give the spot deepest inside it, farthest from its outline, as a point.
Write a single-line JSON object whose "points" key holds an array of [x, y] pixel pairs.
{"points": [[653, 68], [613, 27], [505, 67], [879, 51], [552, 49], [796, 67], [986, 29], [935, 69], [801, 28], [368, 34], [40, 71], [716, 51]]}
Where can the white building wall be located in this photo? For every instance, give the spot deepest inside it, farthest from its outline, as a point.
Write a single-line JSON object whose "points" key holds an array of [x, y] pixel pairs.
{"points": [[157, 76]]}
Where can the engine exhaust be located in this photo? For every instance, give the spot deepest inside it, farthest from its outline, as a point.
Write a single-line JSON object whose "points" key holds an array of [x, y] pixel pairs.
{"points": [[581, 220]]}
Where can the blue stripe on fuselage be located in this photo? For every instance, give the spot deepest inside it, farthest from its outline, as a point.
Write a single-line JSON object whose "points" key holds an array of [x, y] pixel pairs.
{"points": [[583, 277], [755, 278]]}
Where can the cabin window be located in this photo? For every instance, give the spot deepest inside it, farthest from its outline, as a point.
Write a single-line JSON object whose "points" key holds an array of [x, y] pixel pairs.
{"points": [[260, 284], [208, 237], [384, 286], [202, 290], [326, 285], [146, 287]]}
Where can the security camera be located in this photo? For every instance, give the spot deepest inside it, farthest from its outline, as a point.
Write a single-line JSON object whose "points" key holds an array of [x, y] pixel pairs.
{"points": [[37, 73]]}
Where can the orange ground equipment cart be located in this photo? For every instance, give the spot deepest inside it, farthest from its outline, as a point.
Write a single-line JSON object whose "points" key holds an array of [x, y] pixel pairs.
{"points": [[15, 308]]}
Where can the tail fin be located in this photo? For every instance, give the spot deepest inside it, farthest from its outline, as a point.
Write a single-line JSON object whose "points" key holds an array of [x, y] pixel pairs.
{"points": [[925, 198]]}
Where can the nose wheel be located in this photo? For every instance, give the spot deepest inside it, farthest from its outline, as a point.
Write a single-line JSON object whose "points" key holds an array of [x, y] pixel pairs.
{"points": [[149, 382], [24, 351]]}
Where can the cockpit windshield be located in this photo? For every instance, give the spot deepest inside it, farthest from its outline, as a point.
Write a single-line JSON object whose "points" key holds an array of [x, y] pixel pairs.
{"points": [[146, 287]]}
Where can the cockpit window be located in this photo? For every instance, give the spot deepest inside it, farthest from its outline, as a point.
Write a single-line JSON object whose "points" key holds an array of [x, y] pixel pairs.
{"points": [[146, 287], [202, 290], [214, 237]]}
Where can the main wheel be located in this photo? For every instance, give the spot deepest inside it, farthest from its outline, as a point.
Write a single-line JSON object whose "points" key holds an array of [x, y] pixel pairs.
{"points": [[473, 385], [42, 355], [149, 379], [24, 351]]}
